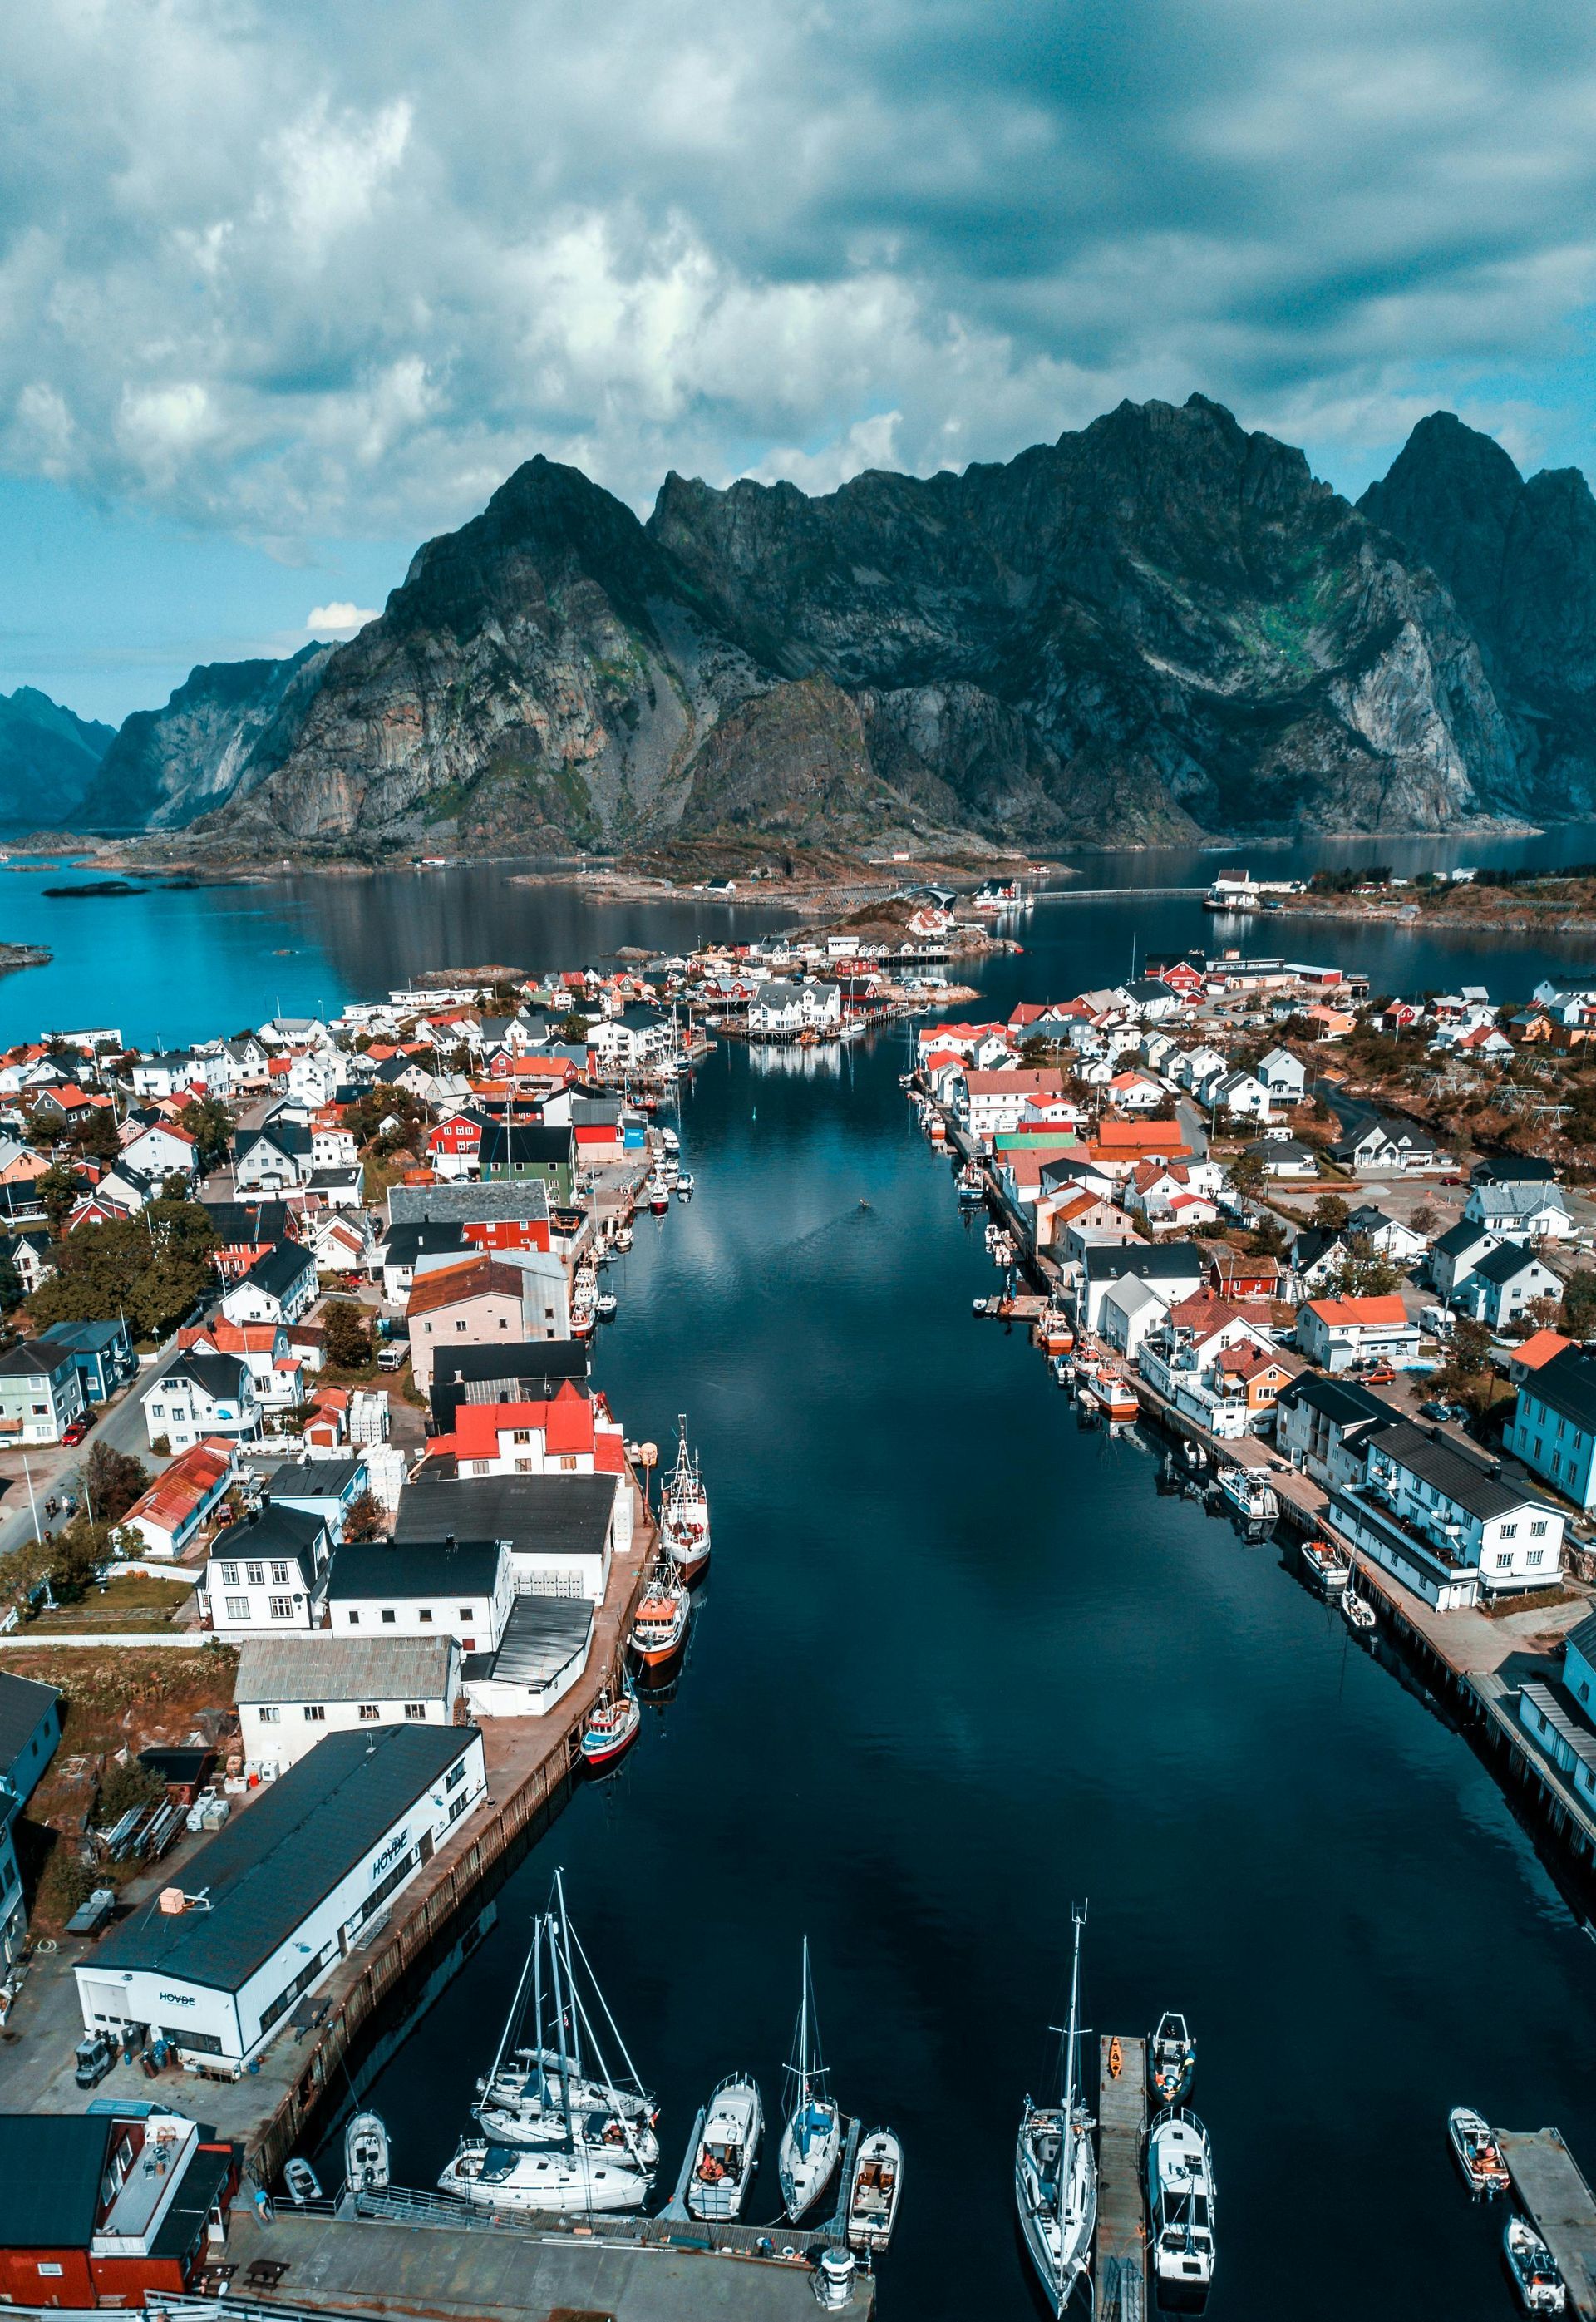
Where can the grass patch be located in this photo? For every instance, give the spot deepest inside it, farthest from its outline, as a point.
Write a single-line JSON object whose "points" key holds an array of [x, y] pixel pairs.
{"points": [[131, 1602], [1539, 1600]]}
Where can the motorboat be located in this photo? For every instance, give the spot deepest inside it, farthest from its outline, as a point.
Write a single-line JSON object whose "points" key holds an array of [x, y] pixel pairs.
{"points": [[1063, 1370], [551, 2082], [684, 1510], [544, 2178], [1173, 2060], [669, 1141], [302, 2182], [1055, 2170], [1326, 1565], [660, 1620], [606, 1306], [1536, 2278], [1181, 2207], [1357, 1613], [1118, 1396], [873, 2196], [1249, 1493], [581, 1318], [623, 1238], [611, 1728], [1476, 2151], [659, 1197], [812, 2141], [684, 1185], [1055, 1332], [366, 2159], [728, 2149]]}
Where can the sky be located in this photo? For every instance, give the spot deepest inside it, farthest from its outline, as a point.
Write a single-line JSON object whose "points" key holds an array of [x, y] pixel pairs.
{"points": [[286, 289]]}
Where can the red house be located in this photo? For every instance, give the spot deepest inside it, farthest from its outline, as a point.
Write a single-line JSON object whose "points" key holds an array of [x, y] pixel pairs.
{"points": [[104, 2209]]}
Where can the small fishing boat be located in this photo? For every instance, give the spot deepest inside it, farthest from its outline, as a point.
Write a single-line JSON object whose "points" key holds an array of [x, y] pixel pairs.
{"points": [[1357, 1613], [581, 1318], [302, 2182], [1173, 2059], [1326, 1565], [684, 1510], [1181, 2204], [1055, 1332], [606, 1306], [661, 1621], [812, 2141], [1063, 1370], [611, 1727], [1056, 2171], [1533, 2269], [1118, 1396], [623, 1237], [728, 2149], [366, 2154], [872, 2197], [684, 1185], [1249, 1494], [1475, 2150]]}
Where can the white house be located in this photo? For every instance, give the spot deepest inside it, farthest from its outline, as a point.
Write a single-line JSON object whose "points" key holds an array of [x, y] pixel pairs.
{"points": [[1446, 1520], [1525, 1213], [199, 1396], [1340, 1333], [1502, 1284], [560, 1531], [419, 1589], [279, 1287], [160, 1152], [267, 1572], [291, 1692], [1240, 1092], [1393, 1238], [1455, 1254], [993, 1102], [1283, 1076], [272, 1157]]}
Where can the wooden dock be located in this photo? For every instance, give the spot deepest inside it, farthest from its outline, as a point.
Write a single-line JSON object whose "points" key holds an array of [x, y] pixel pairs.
{"points": [[1551, 2187], [1122, 2214]]}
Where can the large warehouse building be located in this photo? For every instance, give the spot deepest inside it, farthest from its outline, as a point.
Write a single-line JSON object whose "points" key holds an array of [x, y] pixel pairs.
{"points": [[272, 1903]]}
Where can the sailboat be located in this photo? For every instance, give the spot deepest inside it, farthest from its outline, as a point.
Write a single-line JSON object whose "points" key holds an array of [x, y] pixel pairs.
{"points": [[1055, 2170], [684, 1510], [560, 2131], [812, 2141]]}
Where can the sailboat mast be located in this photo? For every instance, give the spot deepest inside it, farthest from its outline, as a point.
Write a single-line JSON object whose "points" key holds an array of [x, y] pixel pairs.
{"points": [[570, 1981], [560, 2026], [804, 2031], [537, 2009], [513, 2019], [1067, 2142]]}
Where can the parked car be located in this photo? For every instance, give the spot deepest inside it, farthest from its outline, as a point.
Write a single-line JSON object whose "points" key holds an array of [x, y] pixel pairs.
{"points": [[1441, 1411], [77, 1430], [1455, 1179], [1380, 1374]]}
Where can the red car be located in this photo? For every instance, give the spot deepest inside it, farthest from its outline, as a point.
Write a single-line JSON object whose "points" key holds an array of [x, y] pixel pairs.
{"points": [[76, 1432], [1455, 1181]]}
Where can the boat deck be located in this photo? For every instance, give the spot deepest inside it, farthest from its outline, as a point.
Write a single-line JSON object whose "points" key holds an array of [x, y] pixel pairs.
{"points": [[1122, 2212], [376, 2267], [1551, 2187]]}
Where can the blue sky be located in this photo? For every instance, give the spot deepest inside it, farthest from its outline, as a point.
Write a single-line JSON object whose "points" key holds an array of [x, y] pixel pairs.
{"points": [[283, 290]]}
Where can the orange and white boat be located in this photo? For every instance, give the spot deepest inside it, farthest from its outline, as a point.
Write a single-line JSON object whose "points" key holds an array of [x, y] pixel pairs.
{"points": [[611, 1727], [661, 1621], [1114, 1392], [1054, 1333]]}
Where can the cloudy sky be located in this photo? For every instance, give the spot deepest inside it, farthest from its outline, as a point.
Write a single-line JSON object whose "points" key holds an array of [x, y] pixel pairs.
{"points": [[284, 288]]}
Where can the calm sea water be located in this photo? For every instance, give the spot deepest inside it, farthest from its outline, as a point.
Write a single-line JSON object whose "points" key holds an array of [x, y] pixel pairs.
{"points": [[957, 1665]]}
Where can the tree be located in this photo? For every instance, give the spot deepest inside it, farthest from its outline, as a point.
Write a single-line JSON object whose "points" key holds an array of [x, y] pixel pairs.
{"points": [[1269, 1237], [366, 1518], [1579, 1303], [210, 1124], [1424, 1218], [56, 1189], [573, 1029], [97, 1136], [125, 1785], [346, 1340], [1363, 1272], [1469, 1353], [11, 1286], [1331, 1212], [152, 1268], [112, 1481], [1245, 1173]]}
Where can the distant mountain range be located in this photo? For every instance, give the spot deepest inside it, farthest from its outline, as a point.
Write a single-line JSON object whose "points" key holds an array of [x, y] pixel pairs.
{"points": [[1157, 627], [48, 760]]}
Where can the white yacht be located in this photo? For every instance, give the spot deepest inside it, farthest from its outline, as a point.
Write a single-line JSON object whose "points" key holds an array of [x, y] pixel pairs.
{"points": [[1181, 2204], [366, 2165], [547, 2180], [1536, 2278], [1249, 1493], [1056, 2171], [728, 2149], [876, 2189], [812, 2142]]}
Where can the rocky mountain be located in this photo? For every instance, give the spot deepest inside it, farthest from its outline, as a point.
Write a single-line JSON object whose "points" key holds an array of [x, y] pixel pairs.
{"points": [[1158, 627], [1520, 559], [48, 759], [165, 766]]}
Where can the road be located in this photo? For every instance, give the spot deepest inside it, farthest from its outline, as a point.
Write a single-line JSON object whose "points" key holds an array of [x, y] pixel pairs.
{"points": [[54, 1469]]}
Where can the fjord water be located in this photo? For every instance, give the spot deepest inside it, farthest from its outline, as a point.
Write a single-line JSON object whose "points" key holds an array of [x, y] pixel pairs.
{"points": [[957, 1664]]}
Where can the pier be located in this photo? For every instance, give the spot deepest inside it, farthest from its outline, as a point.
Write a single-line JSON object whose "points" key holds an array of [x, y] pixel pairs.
{"points": [[1551, 2186], [1121, 2270]]}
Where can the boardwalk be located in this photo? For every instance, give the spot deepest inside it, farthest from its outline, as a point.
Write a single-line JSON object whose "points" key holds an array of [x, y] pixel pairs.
{"points": [[1551, 2186], [1122, 2218]]}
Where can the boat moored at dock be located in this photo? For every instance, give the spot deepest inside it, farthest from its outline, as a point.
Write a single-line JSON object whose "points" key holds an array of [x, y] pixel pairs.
{"points": [[1540, 2287], [1056, 2171], [684, 1510], [611, 1727], [1172, 2059], [1476, 2151], [1251, 1495], [812, 2141], [660, 1623], [1181, 2210], [366, 2159], [728, 2150], [1328, 1567], [877, 2186]]}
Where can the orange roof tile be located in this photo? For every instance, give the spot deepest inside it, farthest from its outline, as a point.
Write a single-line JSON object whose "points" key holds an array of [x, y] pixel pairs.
{"points": [[1358, 1309]]}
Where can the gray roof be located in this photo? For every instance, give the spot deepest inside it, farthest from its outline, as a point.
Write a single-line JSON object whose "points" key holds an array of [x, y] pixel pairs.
{"points": [[542, 1636], [524, 1144], [84, 1338], [267, 1870], [33, 1360], [1473, 1482], [291, 1138], [218, 1375], [424, 1564], [315, 1479], [550, 1515], [343, 1669], [1342, 1401], [406, 1244], [262, 1221], [467, 1205], [23, 1703]]}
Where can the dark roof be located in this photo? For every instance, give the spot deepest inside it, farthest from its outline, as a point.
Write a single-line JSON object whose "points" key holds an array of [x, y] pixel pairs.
{"points": [[557, 1515], [406, 1244], [23, 1702], [528, 1372], [1505, 1262], [33, 1360], [1462, 1236], [277, 1530], [267, 1870], [1341, 1400], [51, 2165], [220, 1375], [1167, 1261], [1310, 1245], [1367, 1219], [1582, 1636], [1567, 1385], [1473, 1482], [321, 1479], [543, 1635], [199, 2189], [278, 1269], [84, 1338], [423, 1564], [289, 1136], [1513, 1169], [523, 1145], [265, 1221]]}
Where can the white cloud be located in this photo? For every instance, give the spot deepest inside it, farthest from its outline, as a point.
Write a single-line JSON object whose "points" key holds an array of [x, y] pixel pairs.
{"points": [[337, 619], [277, 271]]}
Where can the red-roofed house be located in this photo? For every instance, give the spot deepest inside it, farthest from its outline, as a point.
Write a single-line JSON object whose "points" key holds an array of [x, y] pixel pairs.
{"points": [[572, 1434], [169, 1514], [1341, 1333], [991, 1102]]}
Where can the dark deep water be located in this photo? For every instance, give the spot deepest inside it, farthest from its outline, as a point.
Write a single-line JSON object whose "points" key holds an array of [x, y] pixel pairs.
{"points": [[957, 1664]]}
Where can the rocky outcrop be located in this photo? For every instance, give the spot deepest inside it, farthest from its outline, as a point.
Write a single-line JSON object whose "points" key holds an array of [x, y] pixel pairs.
{"points": [[166, 766], [1158, 627], [48, 759], [1518, 559]]}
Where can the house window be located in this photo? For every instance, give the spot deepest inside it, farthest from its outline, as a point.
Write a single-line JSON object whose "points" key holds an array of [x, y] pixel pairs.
{"points": [[465, 1612], [354, 1620], [460, 1324], [280, 1573], [417, 1710], [1538, 1530], [1534, 1555], [314, 1715], [1503, 1560], [282, 1607], [270, 1717], [255, 1574], [237, 1608], [456, 1778], [390, 1616], [1510, 1532], [230, 1575], [158, 1411], [367, 1713]]}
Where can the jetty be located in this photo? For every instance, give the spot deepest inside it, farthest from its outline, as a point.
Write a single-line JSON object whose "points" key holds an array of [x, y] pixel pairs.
{"points": [[1551, 2186], [1121, 2267]]}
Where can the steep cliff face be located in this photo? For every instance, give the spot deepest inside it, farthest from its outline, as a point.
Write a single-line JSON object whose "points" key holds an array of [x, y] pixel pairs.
{"points": [[48, 759], [1519, 560], [1156, 626], [168, 765]]}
